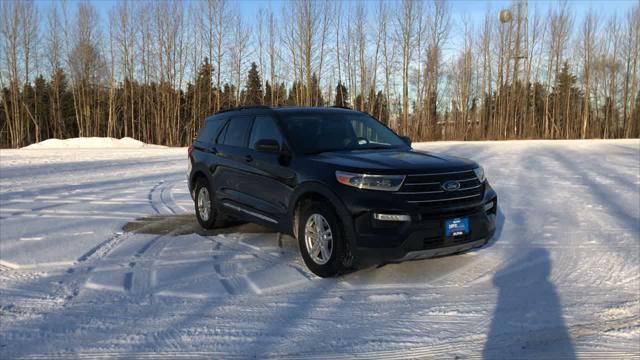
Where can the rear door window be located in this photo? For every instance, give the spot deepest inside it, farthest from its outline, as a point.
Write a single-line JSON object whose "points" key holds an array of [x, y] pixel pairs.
{"points": [[264, 127], [236, 131]]}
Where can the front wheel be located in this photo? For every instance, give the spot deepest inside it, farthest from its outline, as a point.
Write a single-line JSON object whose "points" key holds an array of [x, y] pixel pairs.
{"points": [[321, 240]]}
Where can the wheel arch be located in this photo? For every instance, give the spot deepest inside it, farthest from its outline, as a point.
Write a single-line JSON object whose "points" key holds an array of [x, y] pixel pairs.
{"points": [[197, 174], [313, 191]]}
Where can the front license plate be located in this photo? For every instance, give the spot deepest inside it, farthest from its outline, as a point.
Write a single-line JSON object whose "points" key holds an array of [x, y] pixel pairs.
{"points": [[456, 227]]}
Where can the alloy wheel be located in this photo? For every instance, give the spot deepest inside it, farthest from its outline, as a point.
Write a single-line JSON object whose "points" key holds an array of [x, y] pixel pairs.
{"points": [[318, 239], [204, 203]]}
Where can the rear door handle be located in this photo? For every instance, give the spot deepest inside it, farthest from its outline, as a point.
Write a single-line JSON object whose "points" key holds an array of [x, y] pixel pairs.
{"points": [[212, 150], [248, 158]]}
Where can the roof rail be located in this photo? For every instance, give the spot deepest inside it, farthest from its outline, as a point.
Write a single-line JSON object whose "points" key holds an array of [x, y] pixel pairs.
{"points": [[244, 108], [350, 108]]}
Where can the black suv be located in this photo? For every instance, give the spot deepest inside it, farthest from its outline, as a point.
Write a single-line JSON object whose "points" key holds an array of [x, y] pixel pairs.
{"points": [[347, 187]]}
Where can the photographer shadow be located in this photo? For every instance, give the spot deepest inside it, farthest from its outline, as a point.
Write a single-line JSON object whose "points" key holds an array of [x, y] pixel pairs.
{"points": [[528, 318]]}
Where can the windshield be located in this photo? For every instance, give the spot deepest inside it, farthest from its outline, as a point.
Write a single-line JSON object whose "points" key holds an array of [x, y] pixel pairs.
{"points": [[312, 133]]}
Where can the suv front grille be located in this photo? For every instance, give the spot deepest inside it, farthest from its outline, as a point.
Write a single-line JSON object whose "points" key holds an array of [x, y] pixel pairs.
{"points": [[427, 189]]}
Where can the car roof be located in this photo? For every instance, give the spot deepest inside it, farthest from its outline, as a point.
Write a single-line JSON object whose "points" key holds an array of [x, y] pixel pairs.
{"points": [[253, 110], [311, 110]]}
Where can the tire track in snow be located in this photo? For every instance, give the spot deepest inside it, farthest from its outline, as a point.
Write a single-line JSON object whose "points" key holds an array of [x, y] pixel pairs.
{"points": [[166, 196], [104, 247], [160, 198], [140, 278], [150, 197]]}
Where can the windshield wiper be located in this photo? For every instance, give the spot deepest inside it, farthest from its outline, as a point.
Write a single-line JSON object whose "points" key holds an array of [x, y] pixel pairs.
{"points": [[320, 151], [381, 147]]}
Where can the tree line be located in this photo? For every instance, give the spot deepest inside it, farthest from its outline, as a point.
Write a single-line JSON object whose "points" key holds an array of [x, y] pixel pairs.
{"points": [[154, 70]]}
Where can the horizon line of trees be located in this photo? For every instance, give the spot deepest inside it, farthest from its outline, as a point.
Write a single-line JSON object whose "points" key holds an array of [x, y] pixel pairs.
{"points": [[154, 70]]}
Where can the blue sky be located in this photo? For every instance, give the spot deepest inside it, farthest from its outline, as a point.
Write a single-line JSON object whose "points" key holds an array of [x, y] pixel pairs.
{"points": [[474, 8]]}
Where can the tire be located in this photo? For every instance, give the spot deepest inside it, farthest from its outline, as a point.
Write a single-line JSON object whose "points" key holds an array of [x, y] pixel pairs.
{"points": [[327, 262], [207, 215]]}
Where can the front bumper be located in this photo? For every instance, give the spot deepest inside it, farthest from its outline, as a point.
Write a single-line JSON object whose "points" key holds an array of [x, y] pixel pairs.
{"points": [[377, 242]]}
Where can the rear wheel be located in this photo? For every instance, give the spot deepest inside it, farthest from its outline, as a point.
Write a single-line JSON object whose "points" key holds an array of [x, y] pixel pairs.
{"points": [[205, 210], [321, 239]]}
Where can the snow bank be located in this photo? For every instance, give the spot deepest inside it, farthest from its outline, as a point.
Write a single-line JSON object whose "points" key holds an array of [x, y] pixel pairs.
{"points": [[92, 143]]}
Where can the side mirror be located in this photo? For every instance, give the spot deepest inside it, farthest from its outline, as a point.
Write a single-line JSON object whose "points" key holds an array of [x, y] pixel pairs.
{"points": [[268, 146], [406, 139]]}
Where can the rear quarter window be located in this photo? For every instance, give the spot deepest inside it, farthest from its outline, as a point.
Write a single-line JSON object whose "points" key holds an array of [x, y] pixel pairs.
{"points": [[210, 130]]}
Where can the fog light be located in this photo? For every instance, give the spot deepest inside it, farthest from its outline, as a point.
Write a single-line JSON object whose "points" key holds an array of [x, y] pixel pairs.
{"points": [[391, 217], [488, 206]]}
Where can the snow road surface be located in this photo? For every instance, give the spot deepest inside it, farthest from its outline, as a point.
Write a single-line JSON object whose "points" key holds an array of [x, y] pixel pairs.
{"points": [[100, 256]]}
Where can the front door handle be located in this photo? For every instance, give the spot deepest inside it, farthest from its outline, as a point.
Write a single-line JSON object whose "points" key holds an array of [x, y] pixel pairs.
{"points": [[248, 158]]}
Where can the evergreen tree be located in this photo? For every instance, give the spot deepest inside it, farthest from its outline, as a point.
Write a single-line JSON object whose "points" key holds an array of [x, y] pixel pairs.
{"points": [[204, 84], [371, 101], [316, 94], [359, 102], [381, 108], [538, 96], [227, 98], [566, 99], [28, 99], [634, 129], [293, 92], [342, 96], [253, 91], [197, 104], [267, 93], [281, 94], [41, 107]]}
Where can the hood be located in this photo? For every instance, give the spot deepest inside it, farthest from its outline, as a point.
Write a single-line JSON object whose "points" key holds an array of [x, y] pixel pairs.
{"points": [[394, 161]]}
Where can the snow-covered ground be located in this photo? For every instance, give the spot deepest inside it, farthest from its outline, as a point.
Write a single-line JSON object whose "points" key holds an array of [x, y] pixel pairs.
{"points": [[560, 278]]}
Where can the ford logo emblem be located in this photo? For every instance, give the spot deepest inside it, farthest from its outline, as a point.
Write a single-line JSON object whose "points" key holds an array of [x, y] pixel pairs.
{"points": [[451, 185]]}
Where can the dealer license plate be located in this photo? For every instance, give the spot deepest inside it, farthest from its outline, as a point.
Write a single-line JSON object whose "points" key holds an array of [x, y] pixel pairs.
{"points": [[456, 227]]}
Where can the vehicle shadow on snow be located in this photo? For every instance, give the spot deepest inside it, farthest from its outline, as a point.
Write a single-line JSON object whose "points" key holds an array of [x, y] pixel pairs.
{"points": [[412, 271], [185, 224], [528, 317]]}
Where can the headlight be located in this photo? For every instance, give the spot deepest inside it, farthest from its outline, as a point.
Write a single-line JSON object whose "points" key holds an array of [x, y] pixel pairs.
{"points": [[479, 174], [370, 182]]}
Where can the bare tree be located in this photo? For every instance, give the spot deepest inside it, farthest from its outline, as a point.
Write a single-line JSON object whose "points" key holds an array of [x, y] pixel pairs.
{"points": [[170, 53], [154, 70], [586, 50], [274, 55], [85, 64], [373, 82], [487, 84], [388, 50], [560, 23], [439, 28], [54, 56], [360, 31], [222, 12], [405, 32], [11, 33], [631, 50], [260, 41], [237, 53], [534, 49], [462, 82]]}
